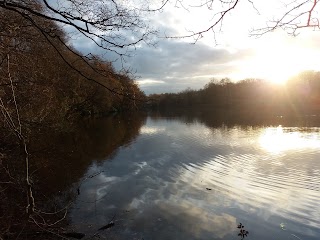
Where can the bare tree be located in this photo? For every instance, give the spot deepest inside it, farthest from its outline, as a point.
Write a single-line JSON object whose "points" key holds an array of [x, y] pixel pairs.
{"points": [[112, 26], [292, 15], [296, 15], [119, 26]]}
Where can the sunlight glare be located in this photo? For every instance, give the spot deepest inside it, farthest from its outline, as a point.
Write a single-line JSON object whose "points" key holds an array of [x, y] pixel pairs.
{"points": [[275, 65], [276, 140], [151, 130], [277, 58]]}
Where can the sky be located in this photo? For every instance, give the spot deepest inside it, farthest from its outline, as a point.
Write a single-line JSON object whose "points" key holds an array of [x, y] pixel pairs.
{"points": [[175, 64]]}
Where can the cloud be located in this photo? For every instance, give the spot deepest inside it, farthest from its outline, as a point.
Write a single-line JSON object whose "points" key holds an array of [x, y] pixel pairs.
{"points": [[175, 65], [149, 81]]}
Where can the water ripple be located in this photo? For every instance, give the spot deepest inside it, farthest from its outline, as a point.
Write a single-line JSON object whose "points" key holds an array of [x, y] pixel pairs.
{"points": [[202, 181], [290, 181]]}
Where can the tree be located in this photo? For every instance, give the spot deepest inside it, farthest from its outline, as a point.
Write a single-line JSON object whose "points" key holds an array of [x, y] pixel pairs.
{"points": [[37, 69], [296, 15], [292, 15], [118, 26], [42, 80], [110, 25], [106, 23], [38, 90]]}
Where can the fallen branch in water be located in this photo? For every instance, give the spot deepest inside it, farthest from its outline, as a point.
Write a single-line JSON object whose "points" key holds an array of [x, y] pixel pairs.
{"points": [[109, 225], [90, 176]]}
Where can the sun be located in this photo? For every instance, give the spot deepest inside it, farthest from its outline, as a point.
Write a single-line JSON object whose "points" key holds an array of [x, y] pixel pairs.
{"points": [[277, 59], [274, 64]]}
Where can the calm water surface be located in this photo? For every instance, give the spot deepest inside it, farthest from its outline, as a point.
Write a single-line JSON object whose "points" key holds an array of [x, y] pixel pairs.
{"points": [[179, 180]]}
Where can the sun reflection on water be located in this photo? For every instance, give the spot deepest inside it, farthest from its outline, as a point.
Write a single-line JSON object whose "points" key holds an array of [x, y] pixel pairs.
{"points": [[277, 140]]}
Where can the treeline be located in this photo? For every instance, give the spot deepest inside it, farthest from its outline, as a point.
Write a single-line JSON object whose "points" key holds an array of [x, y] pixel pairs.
{"points": [[299, 96], [50, 80]]}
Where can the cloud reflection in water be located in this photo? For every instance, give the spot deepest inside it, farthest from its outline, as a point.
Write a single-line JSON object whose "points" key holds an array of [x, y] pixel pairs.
{"points": [[157, 185]]}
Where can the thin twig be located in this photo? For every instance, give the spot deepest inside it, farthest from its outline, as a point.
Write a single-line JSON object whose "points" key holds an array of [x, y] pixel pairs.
{"points": [[13, 94]]}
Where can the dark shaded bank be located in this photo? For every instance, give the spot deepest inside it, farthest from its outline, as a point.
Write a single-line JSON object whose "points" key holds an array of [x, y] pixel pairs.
{"points": [[58, 158], [46, 89]]}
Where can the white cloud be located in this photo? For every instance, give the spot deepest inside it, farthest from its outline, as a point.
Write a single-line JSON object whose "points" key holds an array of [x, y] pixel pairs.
{"points": [[149, 81]]}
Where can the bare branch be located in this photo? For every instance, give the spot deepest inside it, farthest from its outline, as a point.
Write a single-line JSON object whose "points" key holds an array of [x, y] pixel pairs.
{"points": [[221, 15], [18, 132], [110, 26], [299, 15], [157, 9], [251, 2], [13, 94]]}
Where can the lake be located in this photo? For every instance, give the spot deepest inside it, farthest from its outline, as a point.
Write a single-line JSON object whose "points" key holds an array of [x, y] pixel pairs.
{"points": [[182, 178]]}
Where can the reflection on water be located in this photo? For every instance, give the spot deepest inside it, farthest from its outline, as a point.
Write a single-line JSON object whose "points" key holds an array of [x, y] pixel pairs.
{"points": [[277, 140], [75, 149], [59, 158], [188, 181]]}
